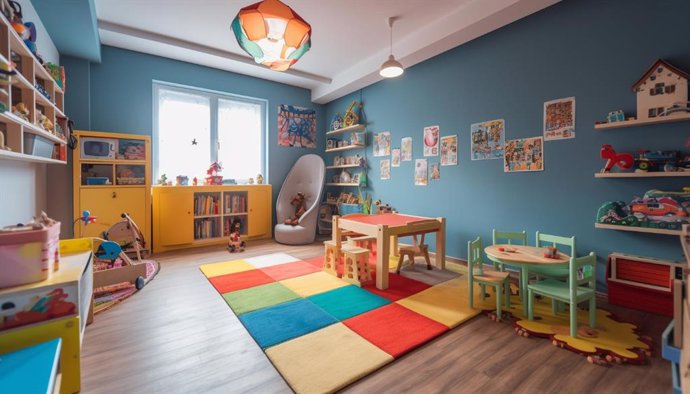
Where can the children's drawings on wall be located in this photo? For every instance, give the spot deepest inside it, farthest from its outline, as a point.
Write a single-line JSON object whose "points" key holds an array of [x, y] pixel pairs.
{"points": [[385, 169], [431, 141], [449, 150], [525, 154], [559, 119], [434, 171], [395, 157], [406, 149], [488, 139], [382, 144], [296, 126], [420, 172]]}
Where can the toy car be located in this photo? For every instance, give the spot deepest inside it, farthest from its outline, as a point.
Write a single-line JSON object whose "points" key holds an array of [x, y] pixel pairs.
{"points": [[678, 106], [664, 206], [655, 161]]}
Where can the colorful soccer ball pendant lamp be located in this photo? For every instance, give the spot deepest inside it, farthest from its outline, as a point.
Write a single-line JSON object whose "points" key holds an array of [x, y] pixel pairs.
{"points": [[272, 33]]}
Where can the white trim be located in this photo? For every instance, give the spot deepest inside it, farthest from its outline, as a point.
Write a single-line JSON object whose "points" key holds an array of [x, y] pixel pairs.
{"points": [[213, 96]]}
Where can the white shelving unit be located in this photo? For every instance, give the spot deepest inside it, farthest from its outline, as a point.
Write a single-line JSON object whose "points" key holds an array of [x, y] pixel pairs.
{"points": [[29, 73]]}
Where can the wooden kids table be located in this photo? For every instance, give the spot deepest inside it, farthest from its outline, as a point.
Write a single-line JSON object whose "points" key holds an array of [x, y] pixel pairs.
{"points": [[524, 256], [387, 228]]}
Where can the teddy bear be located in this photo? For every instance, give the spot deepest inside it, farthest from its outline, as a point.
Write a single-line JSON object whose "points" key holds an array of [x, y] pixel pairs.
{"points": [[299, 201]]}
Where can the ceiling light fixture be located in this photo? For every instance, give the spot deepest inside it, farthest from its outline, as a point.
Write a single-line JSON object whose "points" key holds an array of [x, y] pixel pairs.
{"points": [[391, 68], [272, 33]]}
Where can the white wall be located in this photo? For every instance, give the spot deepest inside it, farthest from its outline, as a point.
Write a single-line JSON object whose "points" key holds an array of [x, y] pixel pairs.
{"points": [[44, 44]]}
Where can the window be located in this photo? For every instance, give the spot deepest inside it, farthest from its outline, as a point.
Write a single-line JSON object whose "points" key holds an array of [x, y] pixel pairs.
{"points": [[670, 89], [194, 127]]}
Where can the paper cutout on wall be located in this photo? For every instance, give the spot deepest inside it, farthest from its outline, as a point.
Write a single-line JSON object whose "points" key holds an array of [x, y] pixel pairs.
{"points": [[296, 126], [420, 172], [406, 149], [395, 157], [487, 140], [431, 134], [449, 150], [524, 154], [559, 119], [385, 169], [435, 172], [382, 144]]}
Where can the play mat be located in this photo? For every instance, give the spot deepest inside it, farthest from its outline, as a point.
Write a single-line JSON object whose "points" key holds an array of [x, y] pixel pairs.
{"points": [[109, 296]]}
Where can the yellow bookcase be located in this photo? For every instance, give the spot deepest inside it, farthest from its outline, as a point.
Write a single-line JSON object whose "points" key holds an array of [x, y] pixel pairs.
{"points": [[112, 175], [191, 216]]}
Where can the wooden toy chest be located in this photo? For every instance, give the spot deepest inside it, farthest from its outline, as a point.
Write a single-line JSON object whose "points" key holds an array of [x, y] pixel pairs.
{"points": [[642, 283]]}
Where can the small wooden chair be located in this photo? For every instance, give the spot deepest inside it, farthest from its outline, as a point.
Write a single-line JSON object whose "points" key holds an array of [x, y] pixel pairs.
{"points": [[356, 269], [476, 272], [416, 249], [331, 257]]}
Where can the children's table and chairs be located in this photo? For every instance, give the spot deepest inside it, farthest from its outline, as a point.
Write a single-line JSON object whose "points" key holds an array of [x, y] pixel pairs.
{"points": [[387, 228], [525, 257]]}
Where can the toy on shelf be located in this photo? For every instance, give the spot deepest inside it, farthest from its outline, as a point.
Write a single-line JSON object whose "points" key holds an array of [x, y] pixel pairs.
{"points": [[163, 180], [624, 161], [250, 181], [659, 89], [259, 179], [656, 209], [57, 72], [615, 116], [299, 201], [351, 117], [213, 178], [235, 243], [337, 122], [381, 208], [21, 111], [45, 123], [2, 142], [182, 180], [195, 181], [133, 151]]}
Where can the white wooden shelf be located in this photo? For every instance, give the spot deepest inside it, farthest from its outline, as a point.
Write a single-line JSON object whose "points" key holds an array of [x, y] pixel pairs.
{"points": [[348, 147], [669, 174], [351, 129], [10, 155], [637, 229], [637, 122], [31, 128], [342, 166], [342, 184]]}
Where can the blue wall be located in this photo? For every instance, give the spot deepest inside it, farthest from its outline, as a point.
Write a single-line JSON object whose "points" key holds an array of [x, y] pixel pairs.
{"points": [[116, 95], [591, 49]]}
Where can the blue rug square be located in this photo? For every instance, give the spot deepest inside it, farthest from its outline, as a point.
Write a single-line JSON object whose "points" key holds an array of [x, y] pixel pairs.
{"points": [[346, 302], [279, 323]]}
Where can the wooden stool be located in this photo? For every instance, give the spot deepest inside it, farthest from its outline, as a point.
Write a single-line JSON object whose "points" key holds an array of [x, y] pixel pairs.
{"points": [[363, 241], [356, 269], [331, 257], [411, 251]]}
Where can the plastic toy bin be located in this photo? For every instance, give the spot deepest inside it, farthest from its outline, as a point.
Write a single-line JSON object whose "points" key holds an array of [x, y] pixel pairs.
{"points": [[37, 146], [28, 256]]}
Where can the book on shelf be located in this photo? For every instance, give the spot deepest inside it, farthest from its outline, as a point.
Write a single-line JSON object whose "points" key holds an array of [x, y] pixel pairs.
{"points": [[235, 203], [206, 205], [206, 228]]}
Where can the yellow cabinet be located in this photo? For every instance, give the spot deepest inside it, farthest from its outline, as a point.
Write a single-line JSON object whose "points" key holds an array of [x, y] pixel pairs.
{"points": [[107, 204], [190, 216]]}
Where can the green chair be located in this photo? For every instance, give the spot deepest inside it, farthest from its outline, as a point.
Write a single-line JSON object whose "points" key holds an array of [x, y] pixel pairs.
{"points": [[576, 290], [559, 242], [510, 238], [476, 272]]}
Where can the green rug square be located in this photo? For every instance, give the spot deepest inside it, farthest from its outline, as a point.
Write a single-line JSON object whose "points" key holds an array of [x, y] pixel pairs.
{"points": [[255, 298], [348, 301]]}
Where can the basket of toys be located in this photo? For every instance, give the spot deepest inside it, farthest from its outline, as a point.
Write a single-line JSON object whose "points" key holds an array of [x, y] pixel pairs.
{"points": [[29, 253]]}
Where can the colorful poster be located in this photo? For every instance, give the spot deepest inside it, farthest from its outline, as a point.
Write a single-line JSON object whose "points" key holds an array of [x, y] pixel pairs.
{"points": [[395, 157], [296, 126], [449, 150], [406, 149], [525, 154], [559, 119], [420, 172], [382, 144], [488, 139], [431, 141], [435, 172], [385, 169]]}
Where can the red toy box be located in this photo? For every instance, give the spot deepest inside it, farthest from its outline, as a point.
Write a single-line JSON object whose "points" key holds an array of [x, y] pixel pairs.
{"points": [[28, 253], [642, 283]]}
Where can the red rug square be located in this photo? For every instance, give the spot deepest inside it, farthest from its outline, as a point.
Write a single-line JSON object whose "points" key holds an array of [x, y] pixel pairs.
{"points": [[315, 261], [399, 287], [395, 329], [290, 270], [240, 280]]}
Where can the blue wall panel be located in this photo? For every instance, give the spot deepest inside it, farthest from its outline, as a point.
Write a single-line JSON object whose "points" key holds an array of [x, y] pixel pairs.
{"points": [[591, 49]]}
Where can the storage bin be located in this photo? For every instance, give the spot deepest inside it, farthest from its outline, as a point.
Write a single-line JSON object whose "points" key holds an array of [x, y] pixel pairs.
{"points": [[97, 180], [346, 209], [29, 255], [37, 146]]}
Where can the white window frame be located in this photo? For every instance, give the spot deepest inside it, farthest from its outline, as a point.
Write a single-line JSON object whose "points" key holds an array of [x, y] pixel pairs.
{"points": [[213, 97]]}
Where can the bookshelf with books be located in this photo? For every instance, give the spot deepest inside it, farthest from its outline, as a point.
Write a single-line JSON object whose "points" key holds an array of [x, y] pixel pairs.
{"points": [[191, 216]]}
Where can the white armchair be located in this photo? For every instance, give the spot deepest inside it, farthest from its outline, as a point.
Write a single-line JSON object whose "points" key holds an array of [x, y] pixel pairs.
{"points": [[306, 176]]}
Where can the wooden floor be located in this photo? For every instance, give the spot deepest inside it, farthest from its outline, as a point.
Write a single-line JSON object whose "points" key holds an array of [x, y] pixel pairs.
{"points": [[178, 336]]}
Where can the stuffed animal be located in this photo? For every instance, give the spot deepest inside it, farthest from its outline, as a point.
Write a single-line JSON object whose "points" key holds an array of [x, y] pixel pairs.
{"points": [[46, 123], [235, 243], [21, 111], [299, 201]]}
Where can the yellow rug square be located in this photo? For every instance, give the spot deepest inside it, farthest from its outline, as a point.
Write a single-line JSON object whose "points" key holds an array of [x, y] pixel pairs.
{"points": [[446, 303], [326, 360], [316, 283], [226, 267]]}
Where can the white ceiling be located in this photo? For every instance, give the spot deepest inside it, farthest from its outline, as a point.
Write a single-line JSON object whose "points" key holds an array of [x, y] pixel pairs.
{"points": [[349, 37]]}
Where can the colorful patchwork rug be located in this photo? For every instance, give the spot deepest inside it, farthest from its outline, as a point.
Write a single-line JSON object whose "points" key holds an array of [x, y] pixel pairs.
{"points": [[611, 341], [322, 333]]}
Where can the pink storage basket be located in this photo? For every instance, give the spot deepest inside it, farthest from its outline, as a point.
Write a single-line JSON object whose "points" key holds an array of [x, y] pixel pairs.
{"points": [[29, 256]]}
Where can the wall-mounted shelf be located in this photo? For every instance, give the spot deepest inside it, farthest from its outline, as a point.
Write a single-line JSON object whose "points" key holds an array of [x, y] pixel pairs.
{"points": [[9, 155], [642, 174], [343, 166], [351, 129], [637, 229], [348, 147], [343, 184], [645, 122]]}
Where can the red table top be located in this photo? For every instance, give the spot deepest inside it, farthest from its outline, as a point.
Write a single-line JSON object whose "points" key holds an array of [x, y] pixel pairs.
{"points": [[389, 219]]}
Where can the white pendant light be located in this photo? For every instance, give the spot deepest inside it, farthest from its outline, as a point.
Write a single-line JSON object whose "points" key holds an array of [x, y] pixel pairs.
{"points": [[391, 68]]}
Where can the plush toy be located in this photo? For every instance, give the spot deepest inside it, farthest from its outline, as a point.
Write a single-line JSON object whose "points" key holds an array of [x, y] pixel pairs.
{"points": [[46, 123], [235, 243], [21, 111], [300, 203]]}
